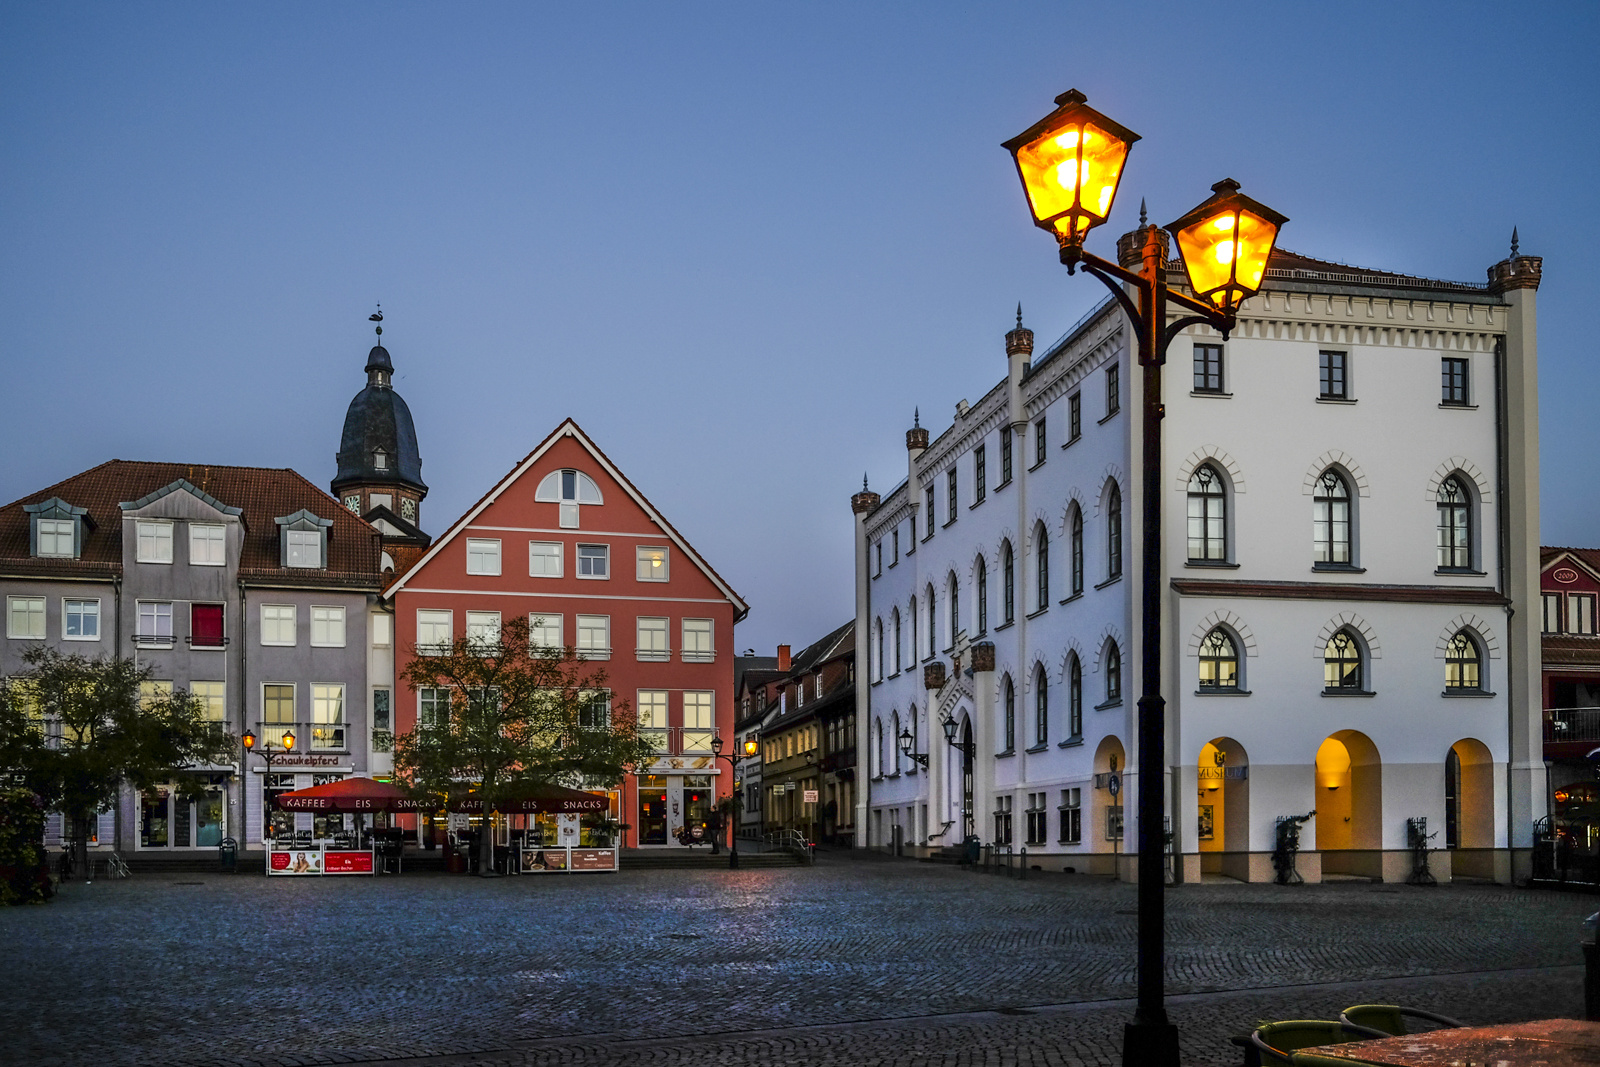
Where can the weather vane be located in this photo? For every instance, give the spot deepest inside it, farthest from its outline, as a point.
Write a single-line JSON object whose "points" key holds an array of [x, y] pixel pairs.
{"points": [[377, 316]]}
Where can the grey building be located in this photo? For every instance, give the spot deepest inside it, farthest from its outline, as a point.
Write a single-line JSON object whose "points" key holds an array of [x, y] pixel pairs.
{"points": [[248, 586]]}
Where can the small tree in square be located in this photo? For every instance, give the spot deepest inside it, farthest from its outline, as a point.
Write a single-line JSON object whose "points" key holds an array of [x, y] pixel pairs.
{"points": [[74, 729], [504, 715]]}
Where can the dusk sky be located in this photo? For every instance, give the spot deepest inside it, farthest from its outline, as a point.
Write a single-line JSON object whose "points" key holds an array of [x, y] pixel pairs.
{"points": [[738, 243]]}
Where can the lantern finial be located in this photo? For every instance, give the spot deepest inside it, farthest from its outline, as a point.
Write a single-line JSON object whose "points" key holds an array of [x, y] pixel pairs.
{"points": [[1071, 96], [864, 481], [916, 418], [1144, 216], [1019, 314], [1513, 242]]}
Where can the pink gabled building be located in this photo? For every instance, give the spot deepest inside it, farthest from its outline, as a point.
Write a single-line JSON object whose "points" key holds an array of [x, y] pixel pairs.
{"points": [[567, 541]]}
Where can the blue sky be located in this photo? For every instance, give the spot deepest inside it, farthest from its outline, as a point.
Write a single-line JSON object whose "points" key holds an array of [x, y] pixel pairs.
{"points": [[738, 243]]}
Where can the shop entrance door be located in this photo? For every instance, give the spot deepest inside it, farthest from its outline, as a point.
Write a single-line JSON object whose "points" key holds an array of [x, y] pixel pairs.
{"points": [[169, 819], [653, 810]]}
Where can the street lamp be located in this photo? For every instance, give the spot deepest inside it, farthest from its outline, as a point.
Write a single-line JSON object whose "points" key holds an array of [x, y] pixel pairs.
{"points": [[267, 752], [733, 767], [1070, 163]]}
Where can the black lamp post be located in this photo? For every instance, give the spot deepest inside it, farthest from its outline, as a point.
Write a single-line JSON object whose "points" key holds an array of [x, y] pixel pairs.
{"points": [[1070, 163], [749, 747], [267, 752]]}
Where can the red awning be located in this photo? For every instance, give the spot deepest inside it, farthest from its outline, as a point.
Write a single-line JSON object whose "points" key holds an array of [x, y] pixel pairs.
{"points": [[532, 800], [352, 794]]}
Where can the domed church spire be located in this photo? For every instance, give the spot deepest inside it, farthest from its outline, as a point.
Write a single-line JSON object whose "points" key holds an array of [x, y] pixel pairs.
{"points": [[380, 465]]}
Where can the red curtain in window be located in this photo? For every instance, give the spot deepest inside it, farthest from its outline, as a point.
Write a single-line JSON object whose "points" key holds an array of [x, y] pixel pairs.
{"points": [[205, 625]]}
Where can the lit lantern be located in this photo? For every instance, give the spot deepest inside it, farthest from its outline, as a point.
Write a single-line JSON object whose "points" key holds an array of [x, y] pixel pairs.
{"points": [[750, 746], [1225, 243], [288, 740], [1070, 162]]}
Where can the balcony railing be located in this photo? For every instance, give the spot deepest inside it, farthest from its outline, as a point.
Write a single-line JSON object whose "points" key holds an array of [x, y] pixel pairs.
{"points": [[1571, 724], [207, 642], [680, 740], [308, 736]]}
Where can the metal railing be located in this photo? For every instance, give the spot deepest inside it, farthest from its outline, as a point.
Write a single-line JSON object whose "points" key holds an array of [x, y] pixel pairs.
{"points": [[1000, 859], [791, 841], [1572, 724]]}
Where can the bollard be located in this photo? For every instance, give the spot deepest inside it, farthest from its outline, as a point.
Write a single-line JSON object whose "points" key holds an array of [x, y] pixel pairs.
{"points": [[1591, 970]]}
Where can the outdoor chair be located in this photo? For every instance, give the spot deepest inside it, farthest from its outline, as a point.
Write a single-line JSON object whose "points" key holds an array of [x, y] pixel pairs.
{"points": [[1391, 1018], [1276, 1043]]}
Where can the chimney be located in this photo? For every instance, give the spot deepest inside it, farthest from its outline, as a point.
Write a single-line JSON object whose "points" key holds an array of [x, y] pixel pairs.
{"points": [[783, 657]]}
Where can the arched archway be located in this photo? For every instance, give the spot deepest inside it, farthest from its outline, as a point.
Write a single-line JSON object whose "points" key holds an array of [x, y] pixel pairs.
{"points": [[1104, 832], [1224, 787], [1349, 798], [1469, 808]]}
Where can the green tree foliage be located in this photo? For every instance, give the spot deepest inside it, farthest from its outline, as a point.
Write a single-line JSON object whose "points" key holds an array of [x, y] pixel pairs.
{"points": [[518, 715], [74, 729], [24, 877]]}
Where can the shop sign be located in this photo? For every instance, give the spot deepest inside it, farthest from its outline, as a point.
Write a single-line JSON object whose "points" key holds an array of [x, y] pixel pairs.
{"points": [[543, 860], [809, 796], [1232, 774], [594, 859], [305, 761], [296, 861], [353, 861]]}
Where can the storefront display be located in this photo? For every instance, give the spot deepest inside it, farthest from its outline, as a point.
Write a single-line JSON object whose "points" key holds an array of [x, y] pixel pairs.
{"points": [[183, 814]]}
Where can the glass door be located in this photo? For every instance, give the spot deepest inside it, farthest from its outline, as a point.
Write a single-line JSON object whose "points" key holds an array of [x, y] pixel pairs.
{"points": [[653, 810]]}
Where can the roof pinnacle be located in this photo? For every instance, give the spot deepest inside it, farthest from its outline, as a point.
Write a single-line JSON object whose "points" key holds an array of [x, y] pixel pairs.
{"points": [[377, 316], [1513, 242], [1144, 216]]}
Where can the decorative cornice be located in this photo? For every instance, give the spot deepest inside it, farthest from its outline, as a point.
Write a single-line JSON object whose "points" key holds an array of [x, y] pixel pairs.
{"points": [[1396, 594]]}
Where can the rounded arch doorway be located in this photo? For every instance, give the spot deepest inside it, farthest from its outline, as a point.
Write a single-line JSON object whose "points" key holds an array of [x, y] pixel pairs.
{"points": [[1223, 777], [1469, 809], [1349, 792]]}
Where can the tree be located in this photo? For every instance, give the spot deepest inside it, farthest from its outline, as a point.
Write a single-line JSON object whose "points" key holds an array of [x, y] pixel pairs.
{"points": [[74, 729], [513, 715]]}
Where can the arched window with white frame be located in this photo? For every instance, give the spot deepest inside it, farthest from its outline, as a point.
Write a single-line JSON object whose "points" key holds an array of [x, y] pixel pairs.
{"points": [[1008, 715], [1008, 582], [1344, 664], [1114, 532], [933, 621], [982, 596], [1041, 567], [953, 591], [1074, 695], [877, 649], [894, 627], [1075, 545], [1113, 663], [1041, 707]]}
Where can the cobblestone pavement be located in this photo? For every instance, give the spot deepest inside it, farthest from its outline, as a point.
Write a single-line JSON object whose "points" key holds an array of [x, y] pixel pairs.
{"points": [[854, 961]]}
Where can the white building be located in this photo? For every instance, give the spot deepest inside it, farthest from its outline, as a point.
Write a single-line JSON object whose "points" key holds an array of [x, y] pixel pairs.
{"points": [[1350, 555]]}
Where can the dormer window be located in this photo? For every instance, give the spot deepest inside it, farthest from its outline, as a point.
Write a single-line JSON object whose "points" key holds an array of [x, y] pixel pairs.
{"points": [[570, 489], [380, 460], [304, 540], [56, 528]]}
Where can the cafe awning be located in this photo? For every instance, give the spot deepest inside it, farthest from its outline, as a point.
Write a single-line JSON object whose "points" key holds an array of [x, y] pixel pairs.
{"points": [[535, 800], [352, 794]]}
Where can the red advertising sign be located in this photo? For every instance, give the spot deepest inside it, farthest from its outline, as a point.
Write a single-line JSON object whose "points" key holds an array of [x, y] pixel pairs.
{"points": [[352, 862], [295, 861]]}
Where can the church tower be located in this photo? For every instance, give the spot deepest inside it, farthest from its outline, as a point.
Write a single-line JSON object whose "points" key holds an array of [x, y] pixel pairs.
{"points": [[380, 467]]}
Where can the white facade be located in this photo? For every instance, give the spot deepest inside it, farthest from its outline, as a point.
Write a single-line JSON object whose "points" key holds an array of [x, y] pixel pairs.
{"points": [[1331, 369]]}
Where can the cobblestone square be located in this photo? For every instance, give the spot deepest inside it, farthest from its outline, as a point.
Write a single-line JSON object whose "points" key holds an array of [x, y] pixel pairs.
{"points": [[858, 960]]}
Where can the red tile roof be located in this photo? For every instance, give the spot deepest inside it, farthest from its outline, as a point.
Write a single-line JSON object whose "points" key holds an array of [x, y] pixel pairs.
{"points": [[262, 493]]}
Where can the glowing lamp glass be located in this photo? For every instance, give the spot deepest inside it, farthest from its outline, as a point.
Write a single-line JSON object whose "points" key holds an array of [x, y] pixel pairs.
{"points": [[288, 740], [1225, 244], [751, 747], [249, 739], [1070, 163]]}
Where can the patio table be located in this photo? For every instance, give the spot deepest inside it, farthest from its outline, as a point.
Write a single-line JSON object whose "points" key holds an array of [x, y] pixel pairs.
{"points": [[1545, 1043]]}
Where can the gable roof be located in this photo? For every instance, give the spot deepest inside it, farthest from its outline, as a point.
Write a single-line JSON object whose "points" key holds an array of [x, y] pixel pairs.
{"points": [[257, 494], [570, 428], [1587, 558]]}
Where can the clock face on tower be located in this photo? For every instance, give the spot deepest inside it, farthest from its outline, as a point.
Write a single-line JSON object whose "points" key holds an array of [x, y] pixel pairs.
{"points": [[353, 502], [408, 509]]}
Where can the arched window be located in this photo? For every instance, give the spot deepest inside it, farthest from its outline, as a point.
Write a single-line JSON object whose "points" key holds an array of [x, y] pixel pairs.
{"points": [[955, 608], [877, 739], [1219, 661], [1208, 533], [877, 650], [894, 744], [1330, 521], [1113, 673], [916, 741], [1041, 707], [895, 627], [1008, 725], [1008, 580], [1341, 664], [983, 596], [1076, 526], [1114, 532], [1074, 695], [1041, 560], [1455, 525], [911, 617], [1462, 663], [570, 489], [933, 621]]}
